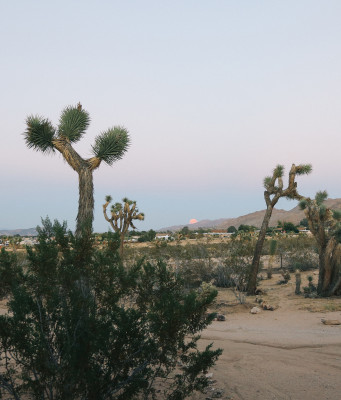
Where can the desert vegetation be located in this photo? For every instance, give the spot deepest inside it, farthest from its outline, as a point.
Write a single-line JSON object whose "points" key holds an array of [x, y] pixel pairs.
{"points": [[80, 324], [109, 147], [274, 190], [89, 318], [122, 217], [325, 225]]}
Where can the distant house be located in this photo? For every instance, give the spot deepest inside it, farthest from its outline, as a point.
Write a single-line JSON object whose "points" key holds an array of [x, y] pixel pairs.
{"points": [[303, 229], [28, 241], [133, 239], [162, 236]]}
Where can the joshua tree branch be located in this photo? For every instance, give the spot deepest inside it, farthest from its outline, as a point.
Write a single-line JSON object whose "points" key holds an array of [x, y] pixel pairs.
{"points": [[70, 155]]}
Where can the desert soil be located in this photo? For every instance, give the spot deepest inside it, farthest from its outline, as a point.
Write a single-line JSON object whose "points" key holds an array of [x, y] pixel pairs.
{"points": [[283, 354]]}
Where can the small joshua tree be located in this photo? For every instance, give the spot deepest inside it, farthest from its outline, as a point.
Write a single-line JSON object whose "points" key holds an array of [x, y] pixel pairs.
{"points": [[273, 192], [122, 216], [109, 147], [325, 225]]}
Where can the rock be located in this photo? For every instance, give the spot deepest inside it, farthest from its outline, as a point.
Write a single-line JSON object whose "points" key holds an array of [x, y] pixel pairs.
{"points": [[218, 393], [255, 310], [209, 375], [221, 317], [267, 306], [330, 321]]}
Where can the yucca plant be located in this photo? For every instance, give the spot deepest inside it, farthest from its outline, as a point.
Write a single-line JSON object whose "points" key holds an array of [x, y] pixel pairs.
{"points": [[274, 190], [109, 147], [122, 216]]}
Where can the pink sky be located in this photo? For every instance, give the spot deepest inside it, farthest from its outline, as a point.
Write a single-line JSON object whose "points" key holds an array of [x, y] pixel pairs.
{"points": [[214, 96]]}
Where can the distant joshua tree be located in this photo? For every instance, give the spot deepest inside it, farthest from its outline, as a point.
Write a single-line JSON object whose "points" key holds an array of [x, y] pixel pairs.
{"points": [[273, 192], [122, 216], [109, 147], [325, 225]]}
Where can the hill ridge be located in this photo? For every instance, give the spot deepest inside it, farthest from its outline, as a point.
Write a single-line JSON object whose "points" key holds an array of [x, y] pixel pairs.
{"points": [[295, 215]]}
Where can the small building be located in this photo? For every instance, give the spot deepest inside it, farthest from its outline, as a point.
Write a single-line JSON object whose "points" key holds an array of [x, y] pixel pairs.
{"points": [[162, 236]]}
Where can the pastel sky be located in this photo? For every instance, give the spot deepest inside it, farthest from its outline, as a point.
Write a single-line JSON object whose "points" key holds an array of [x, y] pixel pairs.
{"points": [[214, 95]]}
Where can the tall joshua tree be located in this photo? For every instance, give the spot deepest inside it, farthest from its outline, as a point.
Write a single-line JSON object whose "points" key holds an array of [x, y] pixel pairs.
{"points": [[273, 192], [109, 147], [325, 225], [122, 216]]}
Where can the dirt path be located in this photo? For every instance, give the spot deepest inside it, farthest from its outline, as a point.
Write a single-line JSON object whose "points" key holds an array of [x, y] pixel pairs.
{"points": [[283, 354]]}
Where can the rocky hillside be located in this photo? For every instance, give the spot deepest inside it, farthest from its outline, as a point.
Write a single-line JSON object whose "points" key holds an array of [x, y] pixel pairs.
{"points": [[21, 232], [295, 216]]}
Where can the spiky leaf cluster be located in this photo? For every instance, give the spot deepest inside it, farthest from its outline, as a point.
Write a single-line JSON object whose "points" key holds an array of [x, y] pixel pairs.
{"points": [[117, 207], [111, 145], [303, 204], [319, 214], [304, 169], [320, 197], [278, 171], [267, 182], [39, 134], [73, 123]]}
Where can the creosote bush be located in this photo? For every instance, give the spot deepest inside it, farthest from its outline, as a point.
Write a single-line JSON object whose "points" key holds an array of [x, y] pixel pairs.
{"points": [[82, 326]]}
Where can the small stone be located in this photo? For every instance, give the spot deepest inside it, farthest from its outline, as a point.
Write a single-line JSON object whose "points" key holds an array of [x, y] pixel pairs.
{"points": [[218, 394], [330, 321], [255, 310], [221, 317]]}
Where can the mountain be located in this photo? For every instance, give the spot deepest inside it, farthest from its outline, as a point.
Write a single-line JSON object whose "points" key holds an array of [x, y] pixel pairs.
{"points": [[21, 232], [295, 216]]}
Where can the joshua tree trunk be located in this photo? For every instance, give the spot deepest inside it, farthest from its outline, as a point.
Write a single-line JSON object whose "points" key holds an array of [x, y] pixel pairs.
{"points": [[252, 282], [329, 283], [85, 214], [84, 169]]}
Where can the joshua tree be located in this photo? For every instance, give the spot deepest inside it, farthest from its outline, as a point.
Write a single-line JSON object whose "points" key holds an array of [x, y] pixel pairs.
{"points": [[325, 225], [273, 192], [109, 147], [122, 216]]}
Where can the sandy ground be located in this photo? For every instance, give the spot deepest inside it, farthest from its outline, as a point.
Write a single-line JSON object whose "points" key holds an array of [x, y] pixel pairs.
{"points": [[283, 354]]}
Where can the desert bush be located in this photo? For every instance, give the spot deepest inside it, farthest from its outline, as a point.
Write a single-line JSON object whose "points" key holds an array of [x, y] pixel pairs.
{"points": [[233, 272], [301, 259], [286, 277], [10, 271], [194, 272], [311, 288], [82, 326]]}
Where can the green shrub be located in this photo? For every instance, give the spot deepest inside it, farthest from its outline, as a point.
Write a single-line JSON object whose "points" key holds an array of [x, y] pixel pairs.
{"points": [[82, 326]]}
